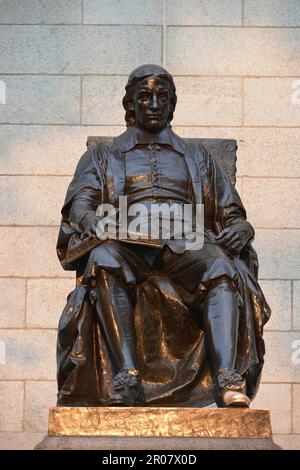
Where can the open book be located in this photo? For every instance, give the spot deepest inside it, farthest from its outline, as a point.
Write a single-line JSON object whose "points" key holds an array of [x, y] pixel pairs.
{"points": [[82, 247]]}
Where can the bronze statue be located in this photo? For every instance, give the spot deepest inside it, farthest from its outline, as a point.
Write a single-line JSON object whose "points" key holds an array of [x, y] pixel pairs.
{"points": [[157, 323]]}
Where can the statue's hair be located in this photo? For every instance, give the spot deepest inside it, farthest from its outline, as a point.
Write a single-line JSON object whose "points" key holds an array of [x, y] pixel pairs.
{"points": [[140, 73]]}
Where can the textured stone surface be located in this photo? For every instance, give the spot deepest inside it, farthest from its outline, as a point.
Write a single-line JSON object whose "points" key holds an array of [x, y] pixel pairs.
{"points": [[165, 422], [278, 295], [30, 354], [287, 442], [272, 13], [233, 51], [12, 303], [46, 264], [280, 407], [272, 101], [296, 305], [206, 12], [35, 11], [101, 94], [280, 365], [296, 408], [154, 443], [268, 152], [19, 440], [39, 396], [281, 193], [279, 253], [219, 97], [30, 200], [44, 150], [123, 12], [78, 49], [261, 151], [46, 299], [41, 100], [11, 417]]}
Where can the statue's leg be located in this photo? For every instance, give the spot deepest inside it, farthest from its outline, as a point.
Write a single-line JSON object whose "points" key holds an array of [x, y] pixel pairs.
{"points": [[221, 323], [220, 318], [114, 270], [115, 312], [213, 270]]}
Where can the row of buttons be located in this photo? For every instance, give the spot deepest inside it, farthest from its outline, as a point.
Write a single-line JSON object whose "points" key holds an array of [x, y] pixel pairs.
{"points": [[153, 148]]}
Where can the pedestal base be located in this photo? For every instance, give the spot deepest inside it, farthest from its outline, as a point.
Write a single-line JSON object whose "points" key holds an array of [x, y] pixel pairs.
{"points": [[155, 443], [146, 428]]}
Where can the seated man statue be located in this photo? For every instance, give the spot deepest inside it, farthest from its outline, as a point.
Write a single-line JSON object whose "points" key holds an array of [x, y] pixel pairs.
{"points": [[153, 322]]}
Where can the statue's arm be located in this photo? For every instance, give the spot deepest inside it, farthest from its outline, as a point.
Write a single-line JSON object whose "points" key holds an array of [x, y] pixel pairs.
{"points": [[234, 230], [83, 210], [85, 193]]}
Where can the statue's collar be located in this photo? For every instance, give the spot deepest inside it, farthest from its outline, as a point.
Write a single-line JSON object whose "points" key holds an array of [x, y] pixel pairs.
{"points": [[134, 136]]}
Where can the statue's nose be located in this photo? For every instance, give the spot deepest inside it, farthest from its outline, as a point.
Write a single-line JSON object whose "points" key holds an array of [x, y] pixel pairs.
{"points": [[154, 103]]}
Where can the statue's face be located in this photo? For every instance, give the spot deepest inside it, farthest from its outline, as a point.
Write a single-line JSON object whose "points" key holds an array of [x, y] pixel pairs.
{"points": [[151, 103]]}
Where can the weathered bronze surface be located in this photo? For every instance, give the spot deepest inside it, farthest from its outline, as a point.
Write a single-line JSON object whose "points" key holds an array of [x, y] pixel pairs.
{"points": [[164, 422], [157, 324]]}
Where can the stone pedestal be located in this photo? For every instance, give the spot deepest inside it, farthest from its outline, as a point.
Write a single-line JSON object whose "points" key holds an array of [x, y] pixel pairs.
{"points": [[148, 428]]}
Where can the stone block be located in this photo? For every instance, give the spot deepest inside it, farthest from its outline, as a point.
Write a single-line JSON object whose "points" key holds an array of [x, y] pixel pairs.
{"points": [[233, 51], [272, 203], [101, 94], [261, 151], [219, 97], [296, 408], [11, 410], [32, 99], [278, 253], [12, 303], [46, 299], [287, 441], [276, 398], [272, 101], [39, 397], [30, 354], [206, 12], [123, 12], [19, 440], [296, 305], [32, 200], [78, 49], [30, 252], [271, 13], [45, 150], [35, 11], [278, 295], [282, 362]]}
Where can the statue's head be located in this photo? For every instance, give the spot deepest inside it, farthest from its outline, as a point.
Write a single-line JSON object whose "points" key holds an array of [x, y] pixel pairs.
{"points": [[150, 98]]}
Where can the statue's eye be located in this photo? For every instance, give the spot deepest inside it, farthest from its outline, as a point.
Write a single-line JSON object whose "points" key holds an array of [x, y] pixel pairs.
{"points": [[164, 97], [143, 96]]}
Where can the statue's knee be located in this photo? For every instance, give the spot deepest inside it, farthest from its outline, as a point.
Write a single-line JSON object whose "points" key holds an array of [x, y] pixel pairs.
{"points": [[109, 257], [223, 282], [225, 289], [110, 249]]}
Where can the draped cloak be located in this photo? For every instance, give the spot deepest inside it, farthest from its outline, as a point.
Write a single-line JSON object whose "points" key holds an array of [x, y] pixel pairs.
{"points": [[171, 351]]}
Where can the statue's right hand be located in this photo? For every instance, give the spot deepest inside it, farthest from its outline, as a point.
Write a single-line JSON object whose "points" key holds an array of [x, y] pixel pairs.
{"points": [[89, 224]]}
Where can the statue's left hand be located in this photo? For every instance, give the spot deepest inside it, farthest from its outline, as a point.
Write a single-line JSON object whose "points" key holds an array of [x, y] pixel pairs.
{"points": [[89, 225], [235, 237]]}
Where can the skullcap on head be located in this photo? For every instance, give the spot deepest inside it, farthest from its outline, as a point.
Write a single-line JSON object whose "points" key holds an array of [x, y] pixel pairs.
{"points": [[147, 70]]}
